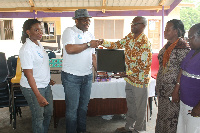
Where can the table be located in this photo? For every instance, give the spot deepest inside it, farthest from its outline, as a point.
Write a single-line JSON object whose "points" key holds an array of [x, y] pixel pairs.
{"points": [[101, 103], [112, 89], [107, 98]]}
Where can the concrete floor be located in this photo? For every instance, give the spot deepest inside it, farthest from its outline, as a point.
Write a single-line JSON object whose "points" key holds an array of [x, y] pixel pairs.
{"points": [[94, 124]]}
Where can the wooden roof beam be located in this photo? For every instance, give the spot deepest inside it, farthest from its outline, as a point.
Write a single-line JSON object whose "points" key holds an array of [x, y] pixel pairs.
{"points": [[31, 3], [104, 4], [96, 8], [186, 5], [162, 2]]}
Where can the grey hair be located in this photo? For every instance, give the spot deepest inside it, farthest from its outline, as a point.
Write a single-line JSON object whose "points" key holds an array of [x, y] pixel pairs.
{"points": [[144, 20]]}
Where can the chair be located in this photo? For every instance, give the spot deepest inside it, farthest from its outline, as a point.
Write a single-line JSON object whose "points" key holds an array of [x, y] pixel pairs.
{"points": [[51, 54], [18, 99], [12, 64], [3, 67], [5, 98], [154, 71], [4, 86], [154, 65]]}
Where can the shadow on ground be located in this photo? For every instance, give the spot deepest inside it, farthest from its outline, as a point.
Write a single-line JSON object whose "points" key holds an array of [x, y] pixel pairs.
{"points": [[94, 124]]}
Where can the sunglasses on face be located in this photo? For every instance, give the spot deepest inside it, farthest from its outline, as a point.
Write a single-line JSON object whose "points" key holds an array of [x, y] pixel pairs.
{"points": [[84, 20], [136, 23]]}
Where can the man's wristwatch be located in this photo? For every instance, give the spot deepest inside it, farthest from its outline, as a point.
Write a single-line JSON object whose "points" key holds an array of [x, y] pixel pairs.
{"points": [[88, 44]]}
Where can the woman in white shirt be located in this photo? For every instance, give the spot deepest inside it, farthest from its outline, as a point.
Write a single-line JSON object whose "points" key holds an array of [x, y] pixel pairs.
{"points": [[35, 82]]}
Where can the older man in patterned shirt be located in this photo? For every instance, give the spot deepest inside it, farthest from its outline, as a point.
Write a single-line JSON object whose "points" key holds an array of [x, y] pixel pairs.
{"points": [[138, 63]]}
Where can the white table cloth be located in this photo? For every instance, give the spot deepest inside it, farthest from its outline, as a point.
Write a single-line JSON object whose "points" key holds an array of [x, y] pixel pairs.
{"points": [[112, 89]]}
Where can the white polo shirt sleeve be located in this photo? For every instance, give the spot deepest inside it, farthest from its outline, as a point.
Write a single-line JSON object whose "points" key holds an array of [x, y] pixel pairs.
{"points": [[26, 59], [68, 37]]}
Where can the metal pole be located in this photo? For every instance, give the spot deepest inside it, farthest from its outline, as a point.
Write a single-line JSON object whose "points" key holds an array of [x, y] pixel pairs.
{"points": [[34, 14], [163, 26]]}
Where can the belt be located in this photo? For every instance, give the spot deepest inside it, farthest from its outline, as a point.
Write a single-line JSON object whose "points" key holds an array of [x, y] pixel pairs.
{"points": [[190, 75]]}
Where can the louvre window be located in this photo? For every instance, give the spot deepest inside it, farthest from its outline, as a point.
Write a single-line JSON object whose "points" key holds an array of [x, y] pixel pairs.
{"points": [[6, 30], [108, 29]]}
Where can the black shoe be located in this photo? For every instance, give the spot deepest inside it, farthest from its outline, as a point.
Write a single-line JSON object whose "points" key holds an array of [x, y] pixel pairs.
{"points": [[122, 130]]}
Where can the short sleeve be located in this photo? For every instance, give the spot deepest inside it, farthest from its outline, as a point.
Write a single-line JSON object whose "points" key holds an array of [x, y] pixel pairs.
{"points": [[183, 57], [68, 37], [26, 59]]}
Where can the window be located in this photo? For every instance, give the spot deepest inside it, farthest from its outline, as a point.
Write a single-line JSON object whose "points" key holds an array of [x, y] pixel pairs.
{"points": [[108, 29], [49, 34], [6, 30]]}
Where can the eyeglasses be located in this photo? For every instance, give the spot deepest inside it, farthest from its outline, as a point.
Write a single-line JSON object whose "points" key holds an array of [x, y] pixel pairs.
{"points": [[84, 20], [136, 23]]}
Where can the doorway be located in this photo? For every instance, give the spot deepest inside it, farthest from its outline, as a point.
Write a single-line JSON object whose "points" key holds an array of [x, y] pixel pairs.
{"points": [[154, 33]]}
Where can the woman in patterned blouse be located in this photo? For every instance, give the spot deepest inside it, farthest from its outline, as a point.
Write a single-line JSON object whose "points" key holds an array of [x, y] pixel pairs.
{"points": [[170, 57]]}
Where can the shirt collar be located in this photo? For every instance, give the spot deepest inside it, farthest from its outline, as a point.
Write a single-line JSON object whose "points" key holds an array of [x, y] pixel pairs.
{"points": [[32, 44], [78, 30], [141, 34]]}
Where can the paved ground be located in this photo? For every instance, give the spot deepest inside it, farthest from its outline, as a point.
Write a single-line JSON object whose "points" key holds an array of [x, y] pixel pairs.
{"points": [[94, 124]]}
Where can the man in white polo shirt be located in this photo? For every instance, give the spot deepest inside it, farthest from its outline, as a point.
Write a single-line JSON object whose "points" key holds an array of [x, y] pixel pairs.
{"points": [[78, 58]]}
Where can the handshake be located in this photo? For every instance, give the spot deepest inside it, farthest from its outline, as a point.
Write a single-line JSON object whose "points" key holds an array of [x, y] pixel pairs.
{"points": [[96, 43]]}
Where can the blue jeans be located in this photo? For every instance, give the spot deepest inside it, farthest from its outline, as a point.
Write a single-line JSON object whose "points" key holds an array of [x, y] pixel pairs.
{"points": [[41, 116], [77, 96]]}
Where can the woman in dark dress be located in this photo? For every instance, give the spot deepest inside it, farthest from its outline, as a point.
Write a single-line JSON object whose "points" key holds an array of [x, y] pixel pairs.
{"points": [[170, 57]]}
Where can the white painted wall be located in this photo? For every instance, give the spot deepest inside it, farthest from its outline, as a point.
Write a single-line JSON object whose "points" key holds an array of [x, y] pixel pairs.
{"points": [[11, 47]]}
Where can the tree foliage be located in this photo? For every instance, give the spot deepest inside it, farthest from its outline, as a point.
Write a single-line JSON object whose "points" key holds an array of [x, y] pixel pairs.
{"points": [[189, 15]]}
